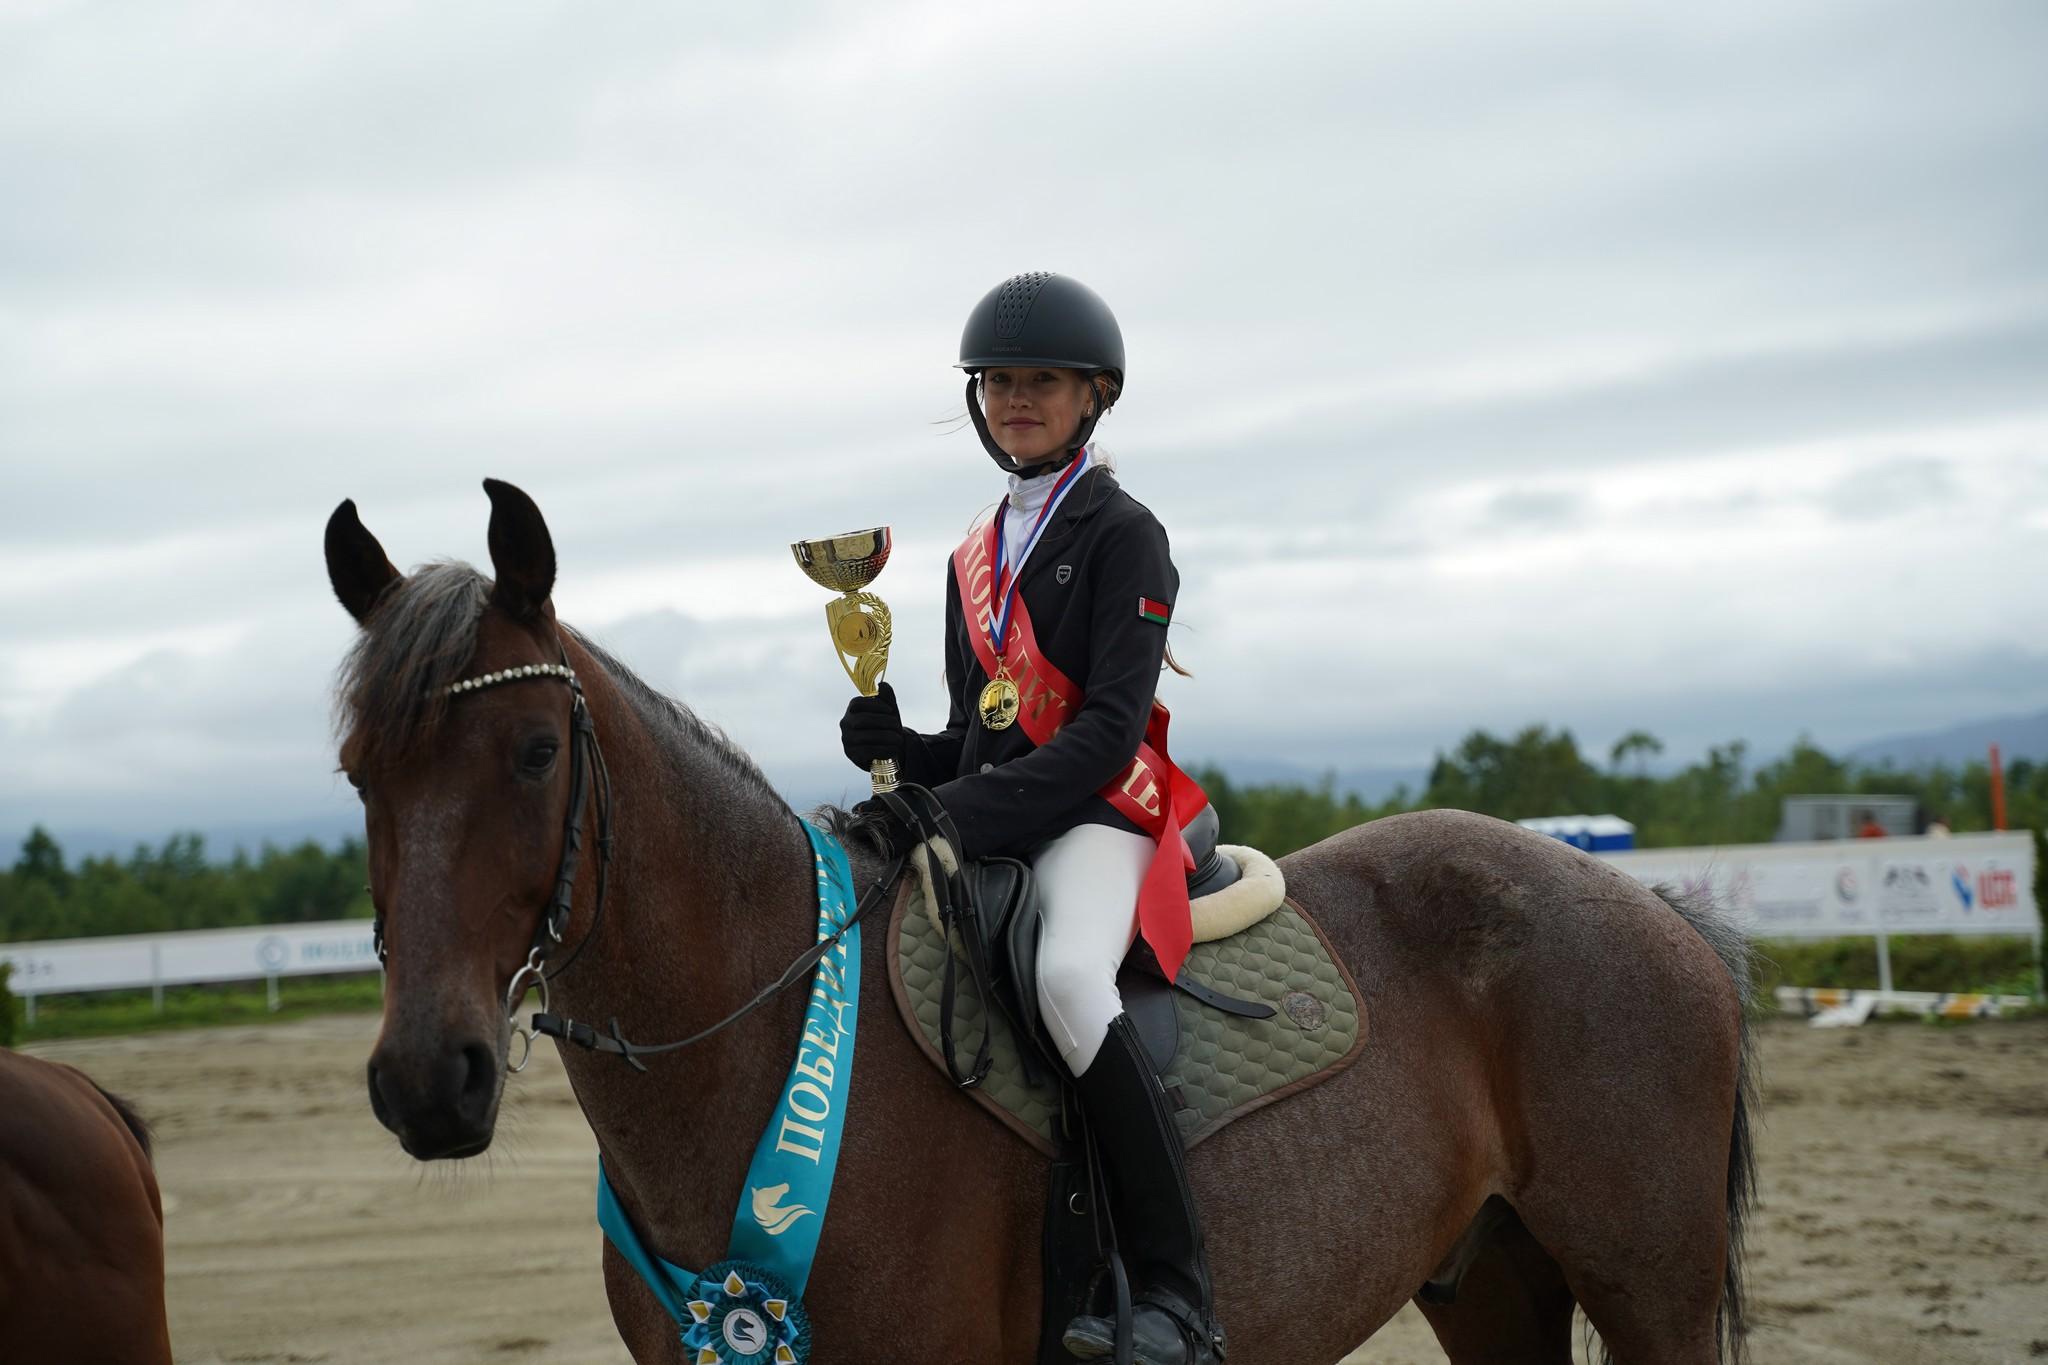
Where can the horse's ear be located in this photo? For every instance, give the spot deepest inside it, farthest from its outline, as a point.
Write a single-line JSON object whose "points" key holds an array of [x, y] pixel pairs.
{"points": [[356, 564], [522, 553]]}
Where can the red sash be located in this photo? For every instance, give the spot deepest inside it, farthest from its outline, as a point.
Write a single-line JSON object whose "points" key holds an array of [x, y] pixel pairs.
{"points": [[1152, 793]]}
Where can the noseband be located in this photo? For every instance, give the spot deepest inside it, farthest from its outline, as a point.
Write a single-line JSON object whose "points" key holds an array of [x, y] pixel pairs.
{"points": [[586, 770]]}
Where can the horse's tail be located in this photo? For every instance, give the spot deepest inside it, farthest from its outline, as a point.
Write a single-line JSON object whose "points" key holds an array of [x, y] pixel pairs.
{"points": [[1732, 946], [137, 1124]]}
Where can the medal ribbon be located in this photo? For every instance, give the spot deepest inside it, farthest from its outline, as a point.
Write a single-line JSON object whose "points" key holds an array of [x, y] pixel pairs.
{"points": [[1007, 577]]}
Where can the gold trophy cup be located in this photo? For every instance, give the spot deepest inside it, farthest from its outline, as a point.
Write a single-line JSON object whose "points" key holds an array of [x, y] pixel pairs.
{"points": [[859, 620]]}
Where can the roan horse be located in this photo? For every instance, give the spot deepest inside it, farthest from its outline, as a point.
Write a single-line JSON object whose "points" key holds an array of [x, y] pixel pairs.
{"points": [[1552, 1109], [81, 1223]]}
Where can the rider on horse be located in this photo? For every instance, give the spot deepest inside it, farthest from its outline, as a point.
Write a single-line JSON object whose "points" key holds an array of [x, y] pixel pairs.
{"points": [[1054, 752]]}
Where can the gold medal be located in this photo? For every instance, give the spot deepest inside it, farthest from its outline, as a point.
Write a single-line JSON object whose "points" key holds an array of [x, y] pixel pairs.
{"points": [[999, 703]]}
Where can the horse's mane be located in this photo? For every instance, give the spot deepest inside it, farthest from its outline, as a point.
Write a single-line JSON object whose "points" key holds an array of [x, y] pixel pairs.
{"points": [[392, 692], [677, 724]]}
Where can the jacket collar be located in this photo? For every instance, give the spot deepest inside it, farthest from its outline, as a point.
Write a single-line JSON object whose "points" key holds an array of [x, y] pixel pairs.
{"points": [[1097, 487]]}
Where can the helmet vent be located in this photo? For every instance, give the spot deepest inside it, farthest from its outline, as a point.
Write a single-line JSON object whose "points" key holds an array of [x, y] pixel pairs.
{"points": [[1014, 300]]}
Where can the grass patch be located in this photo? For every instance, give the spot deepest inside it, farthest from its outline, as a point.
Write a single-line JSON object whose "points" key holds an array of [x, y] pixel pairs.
{"points": [[104, 1013], [1938, 962]]}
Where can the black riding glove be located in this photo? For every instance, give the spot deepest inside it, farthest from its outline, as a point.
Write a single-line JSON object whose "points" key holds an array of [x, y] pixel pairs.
{"points": [[872, 729]]}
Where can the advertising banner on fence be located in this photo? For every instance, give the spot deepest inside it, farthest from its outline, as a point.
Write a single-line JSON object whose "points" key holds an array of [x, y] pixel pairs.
{"points": [[133, 960], [1968, 884]]}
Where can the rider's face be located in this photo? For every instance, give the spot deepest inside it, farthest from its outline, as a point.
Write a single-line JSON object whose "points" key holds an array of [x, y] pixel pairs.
{"points": [[1033, 412]]}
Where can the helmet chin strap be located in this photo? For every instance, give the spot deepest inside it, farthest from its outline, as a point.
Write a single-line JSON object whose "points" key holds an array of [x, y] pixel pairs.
{"points": [[1008, 463]]}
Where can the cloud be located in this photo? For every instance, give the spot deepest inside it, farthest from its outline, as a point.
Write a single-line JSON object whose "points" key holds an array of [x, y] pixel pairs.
{"points": [[1579, 361], [1882, 489]]}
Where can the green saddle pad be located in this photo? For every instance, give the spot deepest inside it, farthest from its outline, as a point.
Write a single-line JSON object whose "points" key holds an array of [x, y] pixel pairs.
{"points": [[1225, 1067]]}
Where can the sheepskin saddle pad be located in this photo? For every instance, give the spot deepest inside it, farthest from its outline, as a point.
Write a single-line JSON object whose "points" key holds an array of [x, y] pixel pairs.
{"points": [[1224, 1064]]}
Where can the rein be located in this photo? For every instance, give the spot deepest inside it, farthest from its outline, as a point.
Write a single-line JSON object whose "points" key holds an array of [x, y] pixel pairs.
{"points": [[586, 761], [613, 1041]]}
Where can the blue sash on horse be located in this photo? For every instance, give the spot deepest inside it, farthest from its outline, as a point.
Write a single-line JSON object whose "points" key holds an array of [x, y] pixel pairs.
{"points": [[748, 1308]]}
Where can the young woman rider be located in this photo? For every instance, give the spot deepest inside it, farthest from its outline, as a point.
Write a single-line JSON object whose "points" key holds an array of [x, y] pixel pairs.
{"points": [[1054, 751]]}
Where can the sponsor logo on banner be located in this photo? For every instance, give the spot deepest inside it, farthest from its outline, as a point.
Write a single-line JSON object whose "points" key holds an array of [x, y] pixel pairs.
{"points": [[1965, 884]]}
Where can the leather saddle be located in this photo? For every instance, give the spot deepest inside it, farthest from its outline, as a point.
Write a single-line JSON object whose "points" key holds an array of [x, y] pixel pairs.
{"points": [[1146, 992], [991, 907]]}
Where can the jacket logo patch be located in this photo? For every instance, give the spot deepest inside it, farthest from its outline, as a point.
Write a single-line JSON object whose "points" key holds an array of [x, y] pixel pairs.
{"points": [[1161, 612], [1063, 573]]}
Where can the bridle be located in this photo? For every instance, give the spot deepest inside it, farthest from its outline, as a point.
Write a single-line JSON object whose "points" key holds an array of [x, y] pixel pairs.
{"points": [[587, 772]]}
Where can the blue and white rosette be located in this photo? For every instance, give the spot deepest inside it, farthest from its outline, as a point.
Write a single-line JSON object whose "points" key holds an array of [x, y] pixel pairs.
{"points": [[743, 1315]]}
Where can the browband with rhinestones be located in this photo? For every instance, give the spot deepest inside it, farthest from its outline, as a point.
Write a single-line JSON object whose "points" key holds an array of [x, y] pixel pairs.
{"points": [[562, 671]]}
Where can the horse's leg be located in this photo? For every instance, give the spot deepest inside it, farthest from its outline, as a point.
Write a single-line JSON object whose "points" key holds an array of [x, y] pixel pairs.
{"points": [[651, 1336], [1629, 1098], [1512, 1303], [1646, 1264]]}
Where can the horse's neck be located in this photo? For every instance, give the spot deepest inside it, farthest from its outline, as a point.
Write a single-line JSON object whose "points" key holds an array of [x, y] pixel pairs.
{"points": [[712, 894]]}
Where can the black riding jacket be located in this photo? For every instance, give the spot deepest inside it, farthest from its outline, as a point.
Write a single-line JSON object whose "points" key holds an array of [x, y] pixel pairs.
{"points": [[1101, 553]]}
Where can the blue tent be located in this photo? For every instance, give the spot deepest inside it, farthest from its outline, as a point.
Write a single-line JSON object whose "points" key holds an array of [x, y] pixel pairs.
{"points": [[1592, 833]]}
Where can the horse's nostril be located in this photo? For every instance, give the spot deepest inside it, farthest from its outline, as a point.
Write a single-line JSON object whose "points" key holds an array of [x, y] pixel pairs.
{"points": [[378, 1104], [482, 1074]]}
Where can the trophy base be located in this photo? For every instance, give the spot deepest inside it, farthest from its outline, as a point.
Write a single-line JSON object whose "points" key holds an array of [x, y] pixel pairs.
{"points": [[882, 772]]}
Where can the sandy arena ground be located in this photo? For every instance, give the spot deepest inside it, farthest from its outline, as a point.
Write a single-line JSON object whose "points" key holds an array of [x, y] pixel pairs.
{"points": [[1904, 1213]]}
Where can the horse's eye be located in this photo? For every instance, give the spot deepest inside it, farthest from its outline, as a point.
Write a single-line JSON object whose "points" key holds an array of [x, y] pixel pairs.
{"points": [[355, 780], [538, 756]]}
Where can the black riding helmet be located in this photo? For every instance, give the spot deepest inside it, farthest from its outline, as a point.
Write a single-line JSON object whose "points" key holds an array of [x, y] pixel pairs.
{"points": [[1039, 318]]}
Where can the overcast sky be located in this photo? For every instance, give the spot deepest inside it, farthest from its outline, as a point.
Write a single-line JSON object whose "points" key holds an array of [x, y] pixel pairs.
{"points": [[1608, 365]]}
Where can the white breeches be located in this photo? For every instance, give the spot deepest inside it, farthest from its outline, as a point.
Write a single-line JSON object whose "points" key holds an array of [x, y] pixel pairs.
{"points": [[1088, 881]]}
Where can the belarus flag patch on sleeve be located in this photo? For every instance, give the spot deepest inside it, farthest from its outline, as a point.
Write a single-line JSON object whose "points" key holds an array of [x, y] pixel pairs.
{"points": [[1154, 611]]}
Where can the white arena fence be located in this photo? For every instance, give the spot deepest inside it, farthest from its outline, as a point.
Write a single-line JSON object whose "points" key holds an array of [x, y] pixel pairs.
{"points": [[201, 956], [1968, 884]]}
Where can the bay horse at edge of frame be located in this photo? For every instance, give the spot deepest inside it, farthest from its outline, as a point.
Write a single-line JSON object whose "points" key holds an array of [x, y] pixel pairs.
{"points": [[81, 1222]]}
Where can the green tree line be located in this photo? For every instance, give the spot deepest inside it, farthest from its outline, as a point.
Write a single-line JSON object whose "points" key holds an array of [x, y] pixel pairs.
{"points": [[176, 887], [1721, 799]]}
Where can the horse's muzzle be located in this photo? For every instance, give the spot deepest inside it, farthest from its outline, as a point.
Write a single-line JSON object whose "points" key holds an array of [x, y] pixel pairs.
{"points": [[441, 1104]]}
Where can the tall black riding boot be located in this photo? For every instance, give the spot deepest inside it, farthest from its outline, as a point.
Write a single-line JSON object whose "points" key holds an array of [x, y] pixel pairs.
{"points": [[1173, 1315]]}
